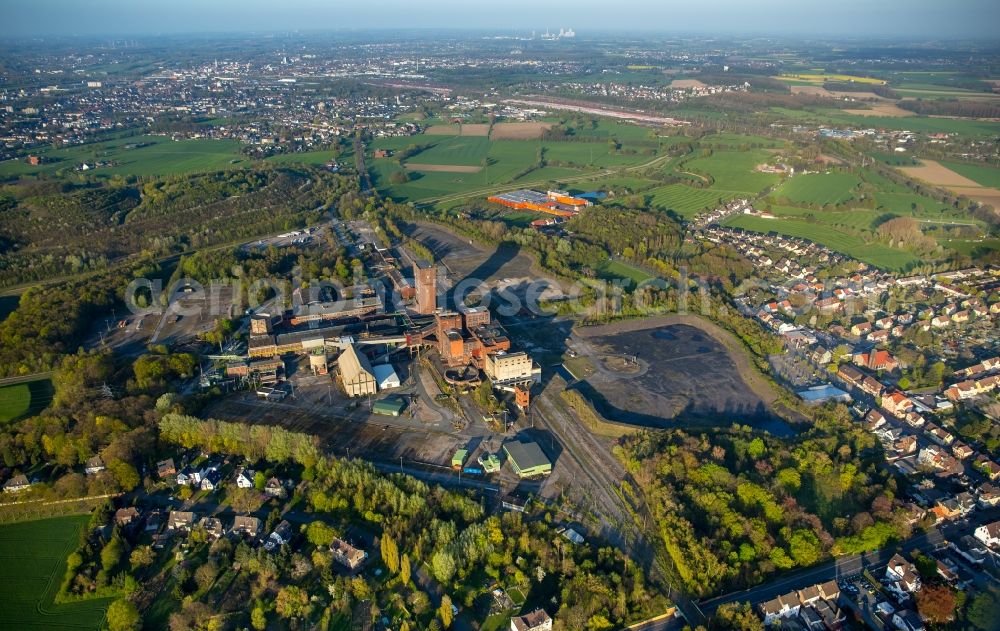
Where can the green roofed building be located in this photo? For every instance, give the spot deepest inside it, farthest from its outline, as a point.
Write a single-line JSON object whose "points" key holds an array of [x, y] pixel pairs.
{"points": [[389, 406], [527, 459], [490, 463], [458, 460]]}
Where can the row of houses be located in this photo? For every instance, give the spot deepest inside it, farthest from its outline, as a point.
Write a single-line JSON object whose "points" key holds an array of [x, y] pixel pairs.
{"points": [[250, 528], [819, 607], [207, 476], [19, 482], [816, 607]]}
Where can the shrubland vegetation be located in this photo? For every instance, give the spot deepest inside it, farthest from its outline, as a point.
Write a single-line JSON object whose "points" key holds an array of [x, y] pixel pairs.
{"points": [[58, 227]]}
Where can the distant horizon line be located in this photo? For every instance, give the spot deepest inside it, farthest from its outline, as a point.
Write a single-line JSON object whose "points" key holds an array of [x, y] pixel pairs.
{"points": [[520, 32]]}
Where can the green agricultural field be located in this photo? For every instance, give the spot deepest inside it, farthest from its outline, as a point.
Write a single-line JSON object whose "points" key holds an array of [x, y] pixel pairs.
{"points": [[24, 399], [457, 150], [546, 174], [395, 143], [620, 184], [963, 127], [311, 158], [685, 200], [624, 132], [917, 206], [585, 153], [895, 159], [899, 200], [32, 562], [970, 247], [734, 171], [820, 188], [506, 162], [978, 173], [939, 91], [503, 162], [855, 218], [421, 185], [837, 118], [736, 140], [824, 234], [159, 156]]}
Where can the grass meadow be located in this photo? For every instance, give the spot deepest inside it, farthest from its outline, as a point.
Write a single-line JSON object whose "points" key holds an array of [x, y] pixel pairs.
{"points": [[24, 399], [684, 200], [734, 171], [612, 270], [135, 155], [820, 188]]}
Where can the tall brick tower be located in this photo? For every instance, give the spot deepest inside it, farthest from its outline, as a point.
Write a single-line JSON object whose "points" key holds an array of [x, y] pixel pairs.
{"points": [[425, 279]]}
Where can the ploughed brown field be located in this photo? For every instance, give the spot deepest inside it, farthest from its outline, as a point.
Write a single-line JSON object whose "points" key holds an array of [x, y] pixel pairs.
{"points": [[881, 109], [682, 84], [519, 131], [935, 173]]}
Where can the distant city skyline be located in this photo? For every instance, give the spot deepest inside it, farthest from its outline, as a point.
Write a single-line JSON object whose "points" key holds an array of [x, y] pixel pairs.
{"points": [[894, 18]]}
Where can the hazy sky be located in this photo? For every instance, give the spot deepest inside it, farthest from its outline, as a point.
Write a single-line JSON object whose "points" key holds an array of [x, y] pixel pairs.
{"points": [[918, 18]]}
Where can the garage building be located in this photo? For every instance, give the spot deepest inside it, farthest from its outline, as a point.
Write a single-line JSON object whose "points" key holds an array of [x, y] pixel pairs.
{"points": [[527, 459], [385, 376]]}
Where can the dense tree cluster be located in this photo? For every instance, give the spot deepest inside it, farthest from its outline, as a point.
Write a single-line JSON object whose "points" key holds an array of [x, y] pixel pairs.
{"points": [[733, 506], [81, 423], [418, 525]]}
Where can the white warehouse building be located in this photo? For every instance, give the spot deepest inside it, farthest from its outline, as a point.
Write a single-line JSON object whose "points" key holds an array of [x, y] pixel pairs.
{"points": [[385, 376]]}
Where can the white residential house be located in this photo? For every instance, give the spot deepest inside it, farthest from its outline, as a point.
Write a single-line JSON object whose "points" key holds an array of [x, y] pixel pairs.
{"points": [[186, 477], [989, 534], [280, 537], [94, 465], [901, 577], [211, 480], [784, 606], [244, 478], [16, 483], [907, 620], [537, 620]]}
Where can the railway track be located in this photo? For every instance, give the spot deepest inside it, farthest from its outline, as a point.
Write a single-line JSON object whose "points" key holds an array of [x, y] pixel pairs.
{"points": [[595, 463]]}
